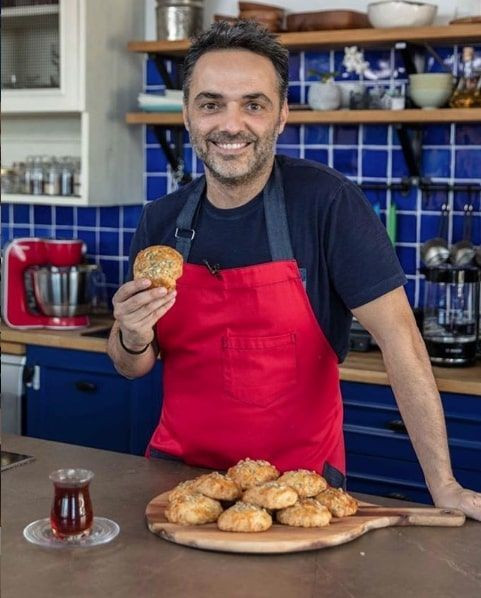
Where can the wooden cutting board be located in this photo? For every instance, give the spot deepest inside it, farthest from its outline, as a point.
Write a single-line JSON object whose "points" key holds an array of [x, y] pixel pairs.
{"points": [[281, 538]]}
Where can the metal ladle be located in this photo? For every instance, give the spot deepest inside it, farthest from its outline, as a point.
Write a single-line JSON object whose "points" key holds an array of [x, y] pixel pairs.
{"points": [[436, 251], [463, 252]]}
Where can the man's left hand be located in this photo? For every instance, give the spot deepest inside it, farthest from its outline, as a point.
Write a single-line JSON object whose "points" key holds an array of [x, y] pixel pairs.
{"points": [[454, 496]]}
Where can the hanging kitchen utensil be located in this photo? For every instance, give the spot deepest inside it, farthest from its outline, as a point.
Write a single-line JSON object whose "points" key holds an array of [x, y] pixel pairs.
{"points": [[436, 251], [463, 252], [391, 221]]}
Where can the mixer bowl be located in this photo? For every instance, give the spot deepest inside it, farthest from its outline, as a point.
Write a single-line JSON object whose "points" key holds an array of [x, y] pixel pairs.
{"points": [[63, 291]]}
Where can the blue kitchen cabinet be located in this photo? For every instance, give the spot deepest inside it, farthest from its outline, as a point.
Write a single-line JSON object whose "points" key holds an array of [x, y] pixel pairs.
{"points": [[78, 397], [379, 454]]}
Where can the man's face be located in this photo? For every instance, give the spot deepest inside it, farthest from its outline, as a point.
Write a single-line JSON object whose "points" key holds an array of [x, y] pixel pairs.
{"points": [[234, 114]]}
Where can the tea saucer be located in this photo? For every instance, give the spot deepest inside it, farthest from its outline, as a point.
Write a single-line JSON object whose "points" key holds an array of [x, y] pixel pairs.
{"points": [[40, 532]]}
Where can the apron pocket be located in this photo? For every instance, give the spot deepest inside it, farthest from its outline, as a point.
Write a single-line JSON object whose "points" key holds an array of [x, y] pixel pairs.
{"points": [[258, 370]]}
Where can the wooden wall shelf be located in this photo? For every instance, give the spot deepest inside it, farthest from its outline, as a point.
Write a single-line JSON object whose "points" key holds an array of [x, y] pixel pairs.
{"points": [[321, 39], [441, 115]]}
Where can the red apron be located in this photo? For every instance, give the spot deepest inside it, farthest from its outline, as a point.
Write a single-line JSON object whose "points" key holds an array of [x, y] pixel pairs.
{"points": [[248, 371]]}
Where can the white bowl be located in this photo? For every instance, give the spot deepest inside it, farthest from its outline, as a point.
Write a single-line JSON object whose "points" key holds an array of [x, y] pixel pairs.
{"points": [[430, 97], [401, 13], [431, 80]]}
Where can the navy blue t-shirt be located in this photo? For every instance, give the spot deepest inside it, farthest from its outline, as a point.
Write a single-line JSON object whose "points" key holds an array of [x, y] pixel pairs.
{"points": [[335, 235]]}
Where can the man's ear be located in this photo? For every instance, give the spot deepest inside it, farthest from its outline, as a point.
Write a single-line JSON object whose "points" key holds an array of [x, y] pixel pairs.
{"points": [[283, 116]]}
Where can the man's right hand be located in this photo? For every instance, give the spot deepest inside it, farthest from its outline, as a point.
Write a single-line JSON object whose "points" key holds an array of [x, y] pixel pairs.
{"points": [[137, 309]]}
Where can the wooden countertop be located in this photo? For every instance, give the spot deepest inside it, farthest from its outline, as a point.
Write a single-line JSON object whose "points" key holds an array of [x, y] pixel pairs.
{"points": [[400, 561], [358, 367]]}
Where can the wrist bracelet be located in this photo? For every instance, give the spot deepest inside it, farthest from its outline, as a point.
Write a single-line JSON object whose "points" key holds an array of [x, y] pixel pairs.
{"points": [[121, 340]]}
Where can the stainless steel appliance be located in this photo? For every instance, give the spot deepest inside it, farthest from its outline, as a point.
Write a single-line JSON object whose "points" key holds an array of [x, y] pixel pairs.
{"points": [[179, 19], [451, 309]]}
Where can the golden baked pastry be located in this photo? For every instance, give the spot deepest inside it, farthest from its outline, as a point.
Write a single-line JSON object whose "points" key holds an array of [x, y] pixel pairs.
{"points": [[271, 495], [193, 509], [244, 517], [339, 503], [305, 482], [161, 264], [248, 473], [182, 489], [218, 486], [307, 512]]}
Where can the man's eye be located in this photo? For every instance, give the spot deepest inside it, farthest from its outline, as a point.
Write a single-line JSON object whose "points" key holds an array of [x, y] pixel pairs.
{"points": [[254, 107], [209, 106]]}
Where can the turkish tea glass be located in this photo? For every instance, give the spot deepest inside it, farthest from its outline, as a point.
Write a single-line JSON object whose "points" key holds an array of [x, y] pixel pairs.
{"points": [[71, 516]]}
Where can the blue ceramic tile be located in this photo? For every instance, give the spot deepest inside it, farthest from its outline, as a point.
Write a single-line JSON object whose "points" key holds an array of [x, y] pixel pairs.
{"points": [[86, 216], [433, 200], [21, 214], [22, 231], [436, 134], [340, 69], [127, 240], [407, 257], [447, 57], [293, 152], [64, 233], [187, 155], [109, 243], [156, 160], [468, 134], [374, 163], [124, 270], [379, 64], [406, 201], [153, 75], [151, 137], [473, 198], [5, 212], [316, 135], [109, 217], [376, 196], [156, 187], [290, 135], [345, 160], [317, 155], [468, 164], [410, 288], [44, 232], [111, 269], [42, 214], [63, 215], [375, 134], [315, 63], [6, 235], [131, 216], [436, 163], [429, 226], [406, 228], [399, 168], [89, 238], [294, 94], [346, 135], [294, 66], [200, 167]]}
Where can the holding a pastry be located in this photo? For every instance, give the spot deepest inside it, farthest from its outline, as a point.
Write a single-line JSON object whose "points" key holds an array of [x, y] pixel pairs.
{"points": [[245, 280]]}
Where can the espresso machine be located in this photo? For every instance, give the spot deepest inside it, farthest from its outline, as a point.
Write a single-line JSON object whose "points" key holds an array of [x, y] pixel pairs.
{"points": [[47, 284], [451, 313]]}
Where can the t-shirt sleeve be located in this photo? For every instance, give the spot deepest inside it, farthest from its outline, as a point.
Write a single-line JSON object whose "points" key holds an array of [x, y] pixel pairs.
{"points": [[362, 262]]}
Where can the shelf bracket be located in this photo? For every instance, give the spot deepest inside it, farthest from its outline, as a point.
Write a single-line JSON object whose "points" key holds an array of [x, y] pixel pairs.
{"points": [[174, 156]]}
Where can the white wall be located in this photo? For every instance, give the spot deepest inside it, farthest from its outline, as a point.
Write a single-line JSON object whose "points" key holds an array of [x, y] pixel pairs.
{"points": [[446, 8]]}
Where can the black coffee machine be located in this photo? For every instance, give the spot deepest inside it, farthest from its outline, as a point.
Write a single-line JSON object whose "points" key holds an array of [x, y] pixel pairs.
{"points": [[451, 314]]}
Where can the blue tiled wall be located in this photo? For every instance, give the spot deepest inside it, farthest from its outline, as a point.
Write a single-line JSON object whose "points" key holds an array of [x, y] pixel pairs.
{"points": [[365, 153]]}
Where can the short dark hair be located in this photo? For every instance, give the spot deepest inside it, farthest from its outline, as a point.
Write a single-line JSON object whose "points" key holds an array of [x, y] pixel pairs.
{"points": [[243, 35]]}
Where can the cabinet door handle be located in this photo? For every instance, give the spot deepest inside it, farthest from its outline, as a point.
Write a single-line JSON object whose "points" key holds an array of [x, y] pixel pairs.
{"points": [[396, 425], [86, 386], [397, 495]]}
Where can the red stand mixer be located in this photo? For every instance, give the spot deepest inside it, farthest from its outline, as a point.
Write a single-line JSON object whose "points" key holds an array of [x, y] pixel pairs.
{"points": [[46, 284]]}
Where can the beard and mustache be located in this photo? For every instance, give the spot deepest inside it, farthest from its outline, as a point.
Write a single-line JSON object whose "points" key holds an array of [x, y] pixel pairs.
{"points": [[229, 169]]}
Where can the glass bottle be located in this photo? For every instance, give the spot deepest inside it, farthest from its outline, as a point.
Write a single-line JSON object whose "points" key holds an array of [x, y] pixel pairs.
{"points": [[77, 178], [28, 175], [66, 176], [51, 184], [464, 94], [37, 176]]}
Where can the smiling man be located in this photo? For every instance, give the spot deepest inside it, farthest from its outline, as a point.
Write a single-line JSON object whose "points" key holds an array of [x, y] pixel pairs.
{"points": [[279, 253]]}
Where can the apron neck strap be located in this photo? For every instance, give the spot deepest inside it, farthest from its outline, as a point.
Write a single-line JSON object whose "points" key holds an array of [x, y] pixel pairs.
{"points": [[274, 210]]}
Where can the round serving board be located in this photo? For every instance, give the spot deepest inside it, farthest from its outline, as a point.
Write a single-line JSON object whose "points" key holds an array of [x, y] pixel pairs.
{"points": [[282, 538]]}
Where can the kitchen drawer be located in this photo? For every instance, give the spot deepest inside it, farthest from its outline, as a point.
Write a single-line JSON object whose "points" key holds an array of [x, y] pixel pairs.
{"points": [[456, 405], [391, 488], [405, 472], [386, 417], [372, 441], [79, 398]]}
